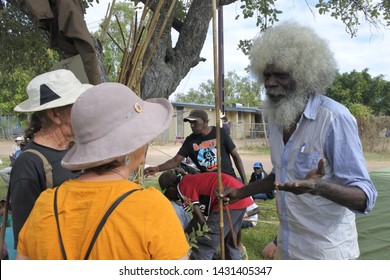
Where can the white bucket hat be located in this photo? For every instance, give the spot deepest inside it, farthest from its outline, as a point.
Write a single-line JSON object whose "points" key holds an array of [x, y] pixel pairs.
{"points": [[51, 90], [110, 121]]}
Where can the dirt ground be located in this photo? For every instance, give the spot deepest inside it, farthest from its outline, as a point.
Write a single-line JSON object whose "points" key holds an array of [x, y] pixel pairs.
{"points": [[158, 154]]}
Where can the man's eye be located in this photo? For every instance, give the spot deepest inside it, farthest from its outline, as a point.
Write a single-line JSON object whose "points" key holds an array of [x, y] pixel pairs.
{"points": [[283, 76]]}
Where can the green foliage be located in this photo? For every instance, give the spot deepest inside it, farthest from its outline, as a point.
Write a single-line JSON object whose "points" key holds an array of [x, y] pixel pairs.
{"points": [[13, 89], [360, 110], [22, 44], [182, 8], [237, 90], [195, 233], [241, 90], [351, 12], [266, 16], [265, 11], [204, 94], [116, 40], [24, 55], [202, 230], [361, 93], [88, 3]]}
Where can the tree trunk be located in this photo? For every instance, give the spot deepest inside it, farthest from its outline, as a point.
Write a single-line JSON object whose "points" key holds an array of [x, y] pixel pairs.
{"points": [[169, 65]]}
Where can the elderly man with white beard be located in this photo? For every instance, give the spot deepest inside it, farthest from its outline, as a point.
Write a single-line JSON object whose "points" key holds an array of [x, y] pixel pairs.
{"points": [[319, 170]]}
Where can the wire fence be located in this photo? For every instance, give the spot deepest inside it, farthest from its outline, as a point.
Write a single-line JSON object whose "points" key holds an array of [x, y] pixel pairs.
{"points": [[242, 131]]}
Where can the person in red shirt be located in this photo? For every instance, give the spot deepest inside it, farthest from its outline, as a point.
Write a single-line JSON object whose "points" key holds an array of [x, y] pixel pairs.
{"points": [[190, 188]]}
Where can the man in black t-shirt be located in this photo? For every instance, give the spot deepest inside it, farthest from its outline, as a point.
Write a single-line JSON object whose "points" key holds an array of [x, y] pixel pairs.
{"points": [[201, 148]]}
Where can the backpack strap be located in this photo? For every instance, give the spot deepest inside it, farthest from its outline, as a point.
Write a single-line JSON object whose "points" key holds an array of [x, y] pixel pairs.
{"points": [[46, 166], [99, 227]]}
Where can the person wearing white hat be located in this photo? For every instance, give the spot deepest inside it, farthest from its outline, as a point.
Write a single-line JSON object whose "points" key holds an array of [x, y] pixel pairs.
{"points": [[16, 147], [50, 99], [101, 214]]}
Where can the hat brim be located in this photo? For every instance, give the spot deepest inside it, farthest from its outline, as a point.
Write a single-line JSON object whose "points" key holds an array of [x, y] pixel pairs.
{"points": [[155, 118], [190, 119], [68, 99]]}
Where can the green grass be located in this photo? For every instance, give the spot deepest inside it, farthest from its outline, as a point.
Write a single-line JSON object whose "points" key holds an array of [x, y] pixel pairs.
{"points": [[255, 149], [383, 156], [255, 238]]}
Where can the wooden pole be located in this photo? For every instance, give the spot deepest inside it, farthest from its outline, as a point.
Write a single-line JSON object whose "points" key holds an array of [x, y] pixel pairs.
{"points": [[107, 20], [221, 61], [218, 126]]}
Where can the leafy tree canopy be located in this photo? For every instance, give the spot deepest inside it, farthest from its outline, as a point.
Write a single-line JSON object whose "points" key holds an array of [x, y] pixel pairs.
{"points": [[237, 90], [24, 55], [115, 37], [361, 93]]}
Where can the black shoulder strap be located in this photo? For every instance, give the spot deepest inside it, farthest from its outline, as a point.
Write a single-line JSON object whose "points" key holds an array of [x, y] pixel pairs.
{"points": [[98, 229], [47, 167]]}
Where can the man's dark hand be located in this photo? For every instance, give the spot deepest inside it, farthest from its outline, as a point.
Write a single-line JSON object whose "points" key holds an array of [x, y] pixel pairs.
{"points": [[228, 196], [309, 185]]}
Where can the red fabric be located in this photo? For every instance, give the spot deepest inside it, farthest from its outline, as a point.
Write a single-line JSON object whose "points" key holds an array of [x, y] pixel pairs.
{"points": [[192, 186]]}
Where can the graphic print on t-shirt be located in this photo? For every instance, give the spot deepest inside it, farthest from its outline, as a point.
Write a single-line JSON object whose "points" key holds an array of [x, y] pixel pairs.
{"points": [[207, 154]]}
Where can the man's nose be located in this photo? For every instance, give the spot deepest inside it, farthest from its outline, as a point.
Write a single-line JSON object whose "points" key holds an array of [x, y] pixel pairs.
{"points": [[271, 82]]}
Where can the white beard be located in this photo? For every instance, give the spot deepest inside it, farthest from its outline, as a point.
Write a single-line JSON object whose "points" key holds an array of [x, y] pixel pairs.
{"points": [[285, 111]]}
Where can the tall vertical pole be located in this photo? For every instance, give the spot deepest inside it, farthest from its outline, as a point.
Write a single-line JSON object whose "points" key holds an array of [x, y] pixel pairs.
{"points": [[218, 126], [221, 61]]}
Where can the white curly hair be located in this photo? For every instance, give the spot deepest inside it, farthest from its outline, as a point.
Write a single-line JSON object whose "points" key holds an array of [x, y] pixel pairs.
{"points": [[298, 50]]}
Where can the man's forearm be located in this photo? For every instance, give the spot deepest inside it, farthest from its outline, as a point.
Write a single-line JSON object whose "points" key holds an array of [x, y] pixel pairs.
{"points": [[259, 186], [351, 197], [240, 167], [167, 165]]}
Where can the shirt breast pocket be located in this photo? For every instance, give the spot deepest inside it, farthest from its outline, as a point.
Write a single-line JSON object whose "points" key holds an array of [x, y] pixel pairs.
{"points": [[305, 162]]}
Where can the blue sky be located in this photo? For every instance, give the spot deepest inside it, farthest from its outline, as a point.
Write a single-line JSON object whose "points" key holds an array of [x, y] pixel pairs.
{"points": [[370, 49]]}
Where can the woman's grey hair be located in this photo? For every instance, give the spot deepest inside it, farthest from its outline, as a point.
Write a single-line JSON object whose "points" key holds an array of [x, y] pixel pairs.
{"points": [[298, 50]]}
